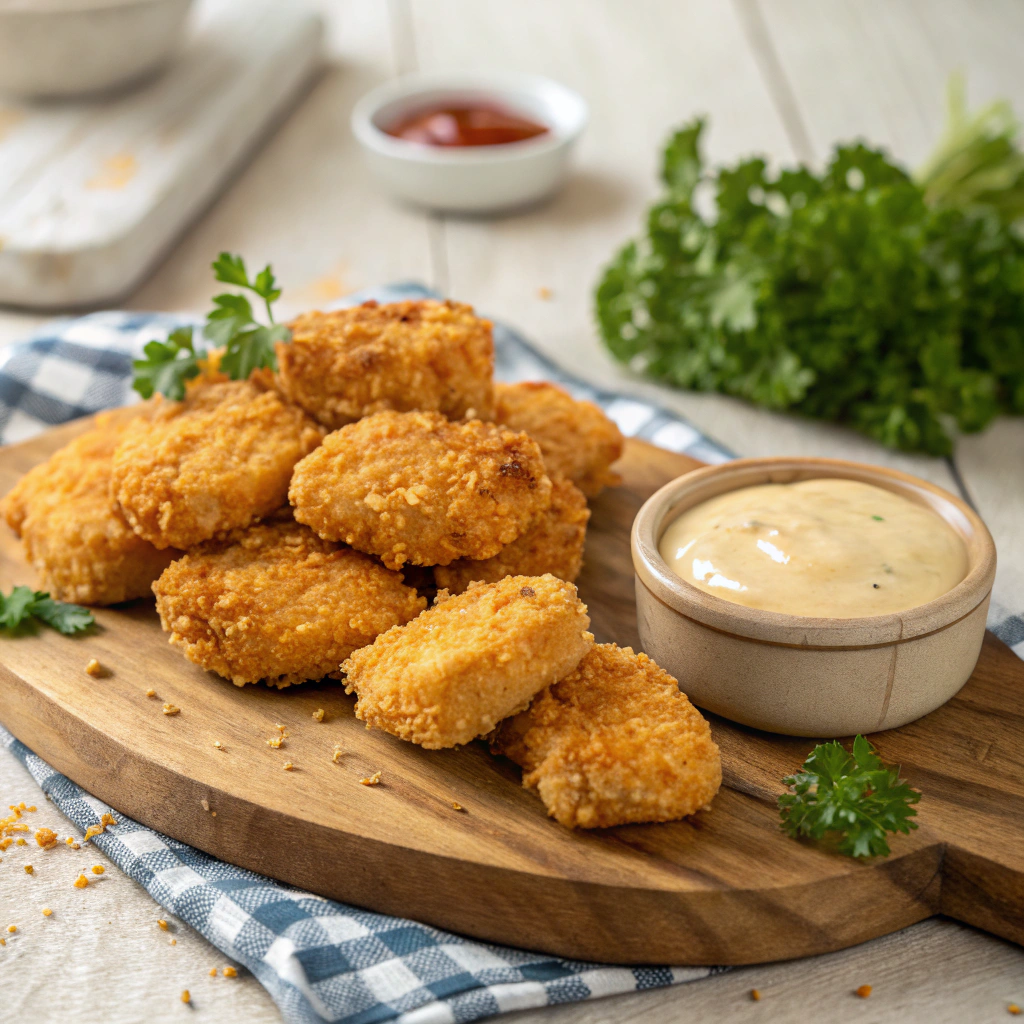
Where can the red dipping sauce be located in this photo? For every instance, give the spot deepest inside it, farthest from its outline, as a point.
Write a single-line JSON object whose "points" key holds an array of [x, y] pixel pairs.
{"points": [[470, 124]]}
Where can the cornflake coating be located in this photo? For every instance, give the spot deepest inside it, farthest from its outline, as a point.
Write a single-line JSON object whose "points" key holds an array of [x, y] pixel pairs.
{"points": [[614, 742], [576, 439], [276, 602], [554, 544], [217, 461], [463, 665], [413, 487], [81, 546], [418, 355]]}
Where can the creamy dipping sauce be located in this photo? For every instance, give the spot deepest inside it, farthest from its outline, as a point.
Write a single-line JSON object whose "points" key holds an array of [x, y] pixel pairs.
{"points": [[828, 548]]}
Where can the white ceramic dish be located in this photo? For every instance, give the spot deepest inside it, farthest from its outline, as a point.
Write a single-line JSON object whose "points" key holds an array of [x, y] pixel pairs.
{"points": [[52, 49], [803, 676], [472, 179]]}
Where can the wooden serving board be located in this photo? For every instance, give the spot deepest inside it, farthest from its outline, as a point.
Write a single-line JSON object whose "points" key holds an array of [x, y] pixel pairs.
{"points": [[723, 887]]}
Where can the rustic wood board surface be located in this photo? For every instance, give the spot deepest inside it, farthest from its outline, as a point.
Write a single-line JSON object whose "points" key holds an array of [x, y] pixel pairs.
{"points": [[722, 887]]}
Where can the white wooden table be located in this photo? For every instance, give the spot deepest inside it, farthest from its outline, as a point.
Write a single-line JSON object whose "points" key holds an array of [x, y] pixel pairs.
{"points": [[781, 77]]}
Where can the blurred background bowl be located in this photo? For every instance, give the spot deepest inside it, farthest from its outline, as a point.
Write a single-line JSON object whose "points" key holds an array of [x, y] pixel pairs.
{"points": [[473, 179], [53, 49]]}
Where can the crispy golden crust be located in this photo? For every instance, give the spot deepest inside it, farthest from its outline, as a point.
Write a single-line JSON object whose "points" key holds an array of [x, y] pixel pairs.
{"points": [[614, 742], [576, 439], [553, 544], [82, 548], [422, 355], [217, 461], [413, 487], [276, 602], [463, 665]]}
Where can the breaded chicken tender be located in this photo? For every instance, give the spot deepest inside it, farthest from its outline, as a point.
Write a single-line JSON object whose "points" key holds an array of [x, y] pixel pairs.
{"points": [[413, 487], [218, 461], [553, 544], [80, 544], [614, 742], [463, 665], [276, 602], [416, 355], [576, 439]]}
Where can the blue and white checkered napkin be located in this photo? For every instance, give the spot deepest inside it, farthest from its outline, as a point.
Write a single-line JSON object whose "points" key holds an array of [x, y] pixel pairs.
{"points": [[320, 960]]}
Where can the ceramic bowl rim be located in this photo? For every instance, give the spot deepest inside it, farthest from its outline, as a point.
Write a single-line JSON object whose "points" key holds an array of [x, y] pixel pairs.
{"points": [[498, 85], [798, 630]]}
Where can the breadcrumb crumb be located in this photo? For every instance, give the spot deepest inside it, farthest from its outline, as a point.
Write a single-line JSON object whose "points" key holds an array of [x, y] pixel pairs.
{"points": [[94, 668], [81, 882], [338, 754], [218, 744], [456, 806], [372, 780], [162, 925], [170, 709], [12, 928], [20, 842], [755, 994], [230, 972], [108, 819], [186, 996], [288, 766], [275, 742], [172, 942], [29, 870], [544, 293], [318, 715], [205, 804], [98, 869], [151, 693], [864, 991], [213, 972], [1014, 1009], [93, 830], [47, 912], [46, 838]]}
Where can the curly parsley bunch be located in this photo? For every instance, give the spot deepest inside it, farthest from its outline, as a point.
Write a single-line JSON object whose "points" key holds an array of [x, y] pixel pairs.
{"points": [[847, 295]]}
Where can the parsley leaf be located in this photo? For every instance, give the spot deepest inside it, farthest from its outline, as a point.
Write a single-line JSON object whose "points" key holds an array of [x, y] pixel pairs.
{"points": [[231, 325], [858, 295], [852, 794], [168, 364], [25, 604]]}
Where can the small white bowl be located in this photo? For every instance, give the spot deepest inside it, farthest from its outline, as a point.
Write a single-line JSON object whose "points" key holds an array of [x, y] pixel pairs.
{"points": [[53, 49], [794, 674], [471, 179]]}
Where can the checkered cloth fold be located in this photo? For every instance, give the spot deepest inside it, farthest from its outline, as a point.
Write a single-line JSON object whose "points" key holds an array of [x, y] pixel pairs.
{"points": [[321, 960]]}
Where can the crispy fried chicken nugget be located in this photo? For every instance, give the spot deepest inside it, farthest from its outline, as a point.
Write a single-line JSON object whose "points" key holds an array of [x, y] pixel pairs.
{"points": [[576, 439], [276, 602], [553, 544], [217, 461], [450, 675], [614, 742], [416, 355], [413, 487], [80, 544]]}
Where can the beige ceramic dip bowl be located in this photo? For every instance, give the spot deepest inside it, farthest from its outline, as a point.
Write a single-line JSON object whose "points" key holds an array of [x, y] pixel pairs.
{"points": [[803, 676]]}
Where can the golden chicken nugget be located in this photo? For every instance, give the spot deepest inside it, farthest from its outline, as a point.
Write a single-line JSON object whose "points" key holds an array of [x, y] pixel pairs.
{"points": [[553, 544], [576, 439], [217, 461], [413, 487], [80, 544], [276, 602], [614, 742], [463, 665], [415, 355]]}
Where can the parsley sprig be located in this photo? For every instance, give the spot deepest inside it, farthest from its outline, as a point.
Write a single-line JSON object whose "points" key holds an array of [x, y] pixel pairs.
{"points": [[231, 325], [26, 605], [852, 794]]}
